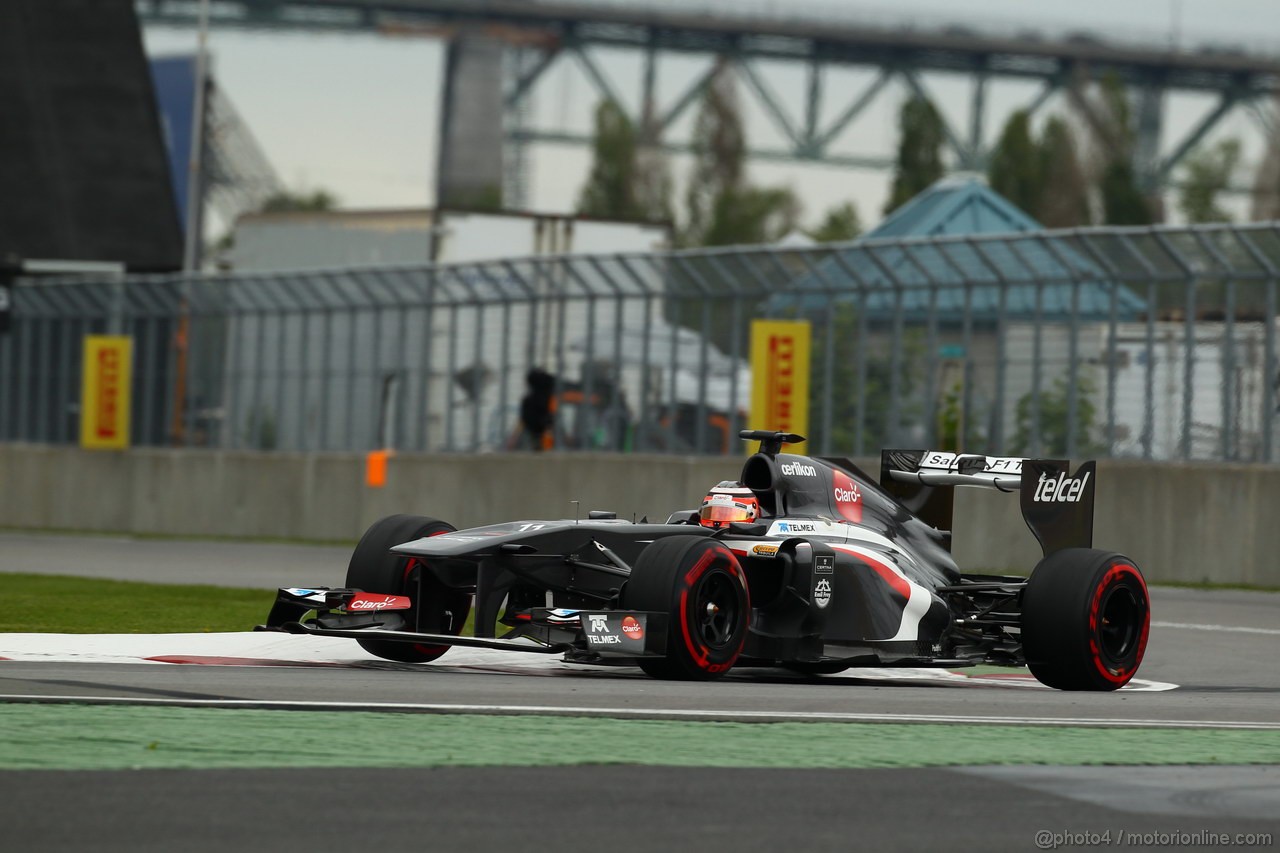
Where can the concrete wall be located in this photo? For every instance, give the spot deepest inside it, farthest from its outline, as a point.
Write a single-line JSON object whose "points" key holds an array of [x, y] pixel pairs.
{"points": [[323, 496], [1180, 522]]}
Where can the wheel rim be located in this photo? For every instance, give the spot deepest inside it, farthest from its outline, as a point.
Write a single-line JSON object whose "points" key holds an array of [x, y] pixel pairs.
{"points": [[717, 610], [1120, 625]]}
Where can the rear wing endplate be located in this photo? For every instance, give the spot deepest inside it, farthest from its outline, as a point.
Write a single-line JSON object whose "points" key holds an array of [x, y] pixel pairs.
{"points": [[1056, 504]]}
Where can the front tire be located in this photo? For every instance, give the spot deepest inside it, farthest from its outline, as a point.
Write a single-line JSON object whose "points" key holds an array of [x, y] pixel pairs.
{"points": [[437, 609], [1085, 619], [699, 583]]}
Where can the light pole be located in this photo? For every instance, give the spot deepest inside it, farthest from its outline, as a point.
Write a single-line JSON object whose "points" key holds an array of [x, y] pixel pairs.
{"points": [[195, 209], [1175, 24], [195, 183]]}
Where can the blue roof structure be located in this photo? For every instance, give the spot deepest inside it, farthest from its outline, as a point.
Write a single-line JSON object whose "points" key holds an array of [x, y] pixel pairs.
{"points": [[941, 248], [955, 205]]}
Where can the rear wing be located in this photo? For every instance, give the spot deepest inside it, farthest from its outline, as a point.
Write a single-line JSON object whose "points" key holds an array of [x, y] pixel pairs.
{"points": [[1056, 504]]}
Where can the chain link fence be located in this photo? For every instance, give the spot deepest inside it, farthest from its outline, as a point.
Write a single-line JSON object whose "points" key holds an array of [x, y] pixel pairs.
{"points": [[1155, 343]]}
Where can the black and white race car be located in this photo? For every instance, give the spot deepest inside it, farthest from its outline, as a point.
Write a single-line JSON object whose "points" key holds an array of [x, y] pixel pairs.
{"points": [[804, 563]]}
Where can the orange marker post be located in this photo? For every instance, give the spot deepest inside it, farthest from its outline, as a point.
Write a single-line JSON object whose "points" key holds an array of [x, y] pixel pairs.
{"points": [[375, 468]]}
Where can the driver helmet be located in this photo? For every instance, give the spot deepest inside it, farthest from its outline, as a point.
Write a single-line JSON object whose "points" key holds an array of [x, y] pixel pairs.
{"points": [[728, 501]]}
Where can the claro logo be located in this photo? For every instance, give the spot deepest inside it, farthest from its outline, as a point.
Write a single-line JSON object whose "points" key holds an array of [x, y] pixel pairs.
{"points": [[632, 628], [850, 495], [1060, 490], [798, 469], [388, 602]]}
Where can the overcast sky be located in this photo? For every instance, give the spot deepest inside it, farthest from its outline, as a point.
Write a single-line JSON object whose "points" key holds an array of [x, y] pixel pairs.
{"points": [[356, 114]]}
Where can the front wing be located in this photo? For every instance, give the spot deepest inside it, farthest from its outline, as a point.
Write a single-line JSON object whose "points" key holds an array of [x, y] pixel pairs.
{"points": [[622, 634]]}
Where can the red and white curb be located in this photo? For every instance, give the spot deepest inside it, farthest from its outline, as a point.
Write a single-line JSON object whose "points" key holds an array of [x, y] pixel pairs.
{"points": [[272, 649]]}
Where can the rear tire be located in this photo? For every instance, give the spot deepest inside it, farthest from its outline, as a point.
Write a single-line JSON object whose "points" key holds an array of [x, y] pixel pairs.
{"points": [[699, 583], [436, 608], [1085, 619]]}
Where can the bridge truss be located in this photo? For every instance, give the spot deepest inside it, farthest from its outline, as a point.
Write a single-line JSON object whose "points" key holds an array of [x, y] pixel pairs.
{"points": [[548, 34]]}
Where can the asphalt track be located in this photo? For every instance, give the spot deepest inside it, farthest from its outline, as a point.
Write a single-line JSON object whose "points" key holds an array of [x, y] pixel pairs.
{"points": [[627, 808], [1218, 647]]}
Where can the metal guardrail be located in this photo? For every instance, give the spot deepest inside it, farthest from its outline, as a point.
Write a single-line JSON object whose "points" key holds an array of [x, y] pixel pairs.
{"points": [[1155, 343]]}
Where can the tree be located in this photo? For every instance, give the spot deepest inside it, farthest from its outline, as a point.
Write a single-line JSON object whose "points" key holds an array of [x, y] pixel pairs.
{"points": [[1266, 186], [610, 190], [283, 201], [1054, 403], [652, 174], [919, 161], [288, 200], [1017, 165], [1043, 177], [957, 429], [1208, 173], [718, 151], [722, 207], [1123, 202], [841, 321], [840, 225], [1064, 199], [747, 214]]}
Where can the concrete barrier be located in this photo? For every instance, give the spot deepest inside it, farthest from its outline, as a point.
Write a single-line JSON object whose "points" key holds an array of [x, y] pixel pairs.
{"points": [[1180, 522], [323, 496]]}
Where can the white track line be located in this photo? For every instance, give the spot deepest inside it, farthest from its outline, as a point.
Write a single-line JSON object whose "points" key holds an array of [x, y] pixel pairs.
{"points": [[1228, 629], [646, 713]]}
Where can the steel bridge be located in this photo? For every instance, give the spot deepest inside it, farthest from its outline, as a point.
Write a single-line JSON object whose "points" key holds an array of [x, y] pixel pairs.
{"points": [[567, 30]]}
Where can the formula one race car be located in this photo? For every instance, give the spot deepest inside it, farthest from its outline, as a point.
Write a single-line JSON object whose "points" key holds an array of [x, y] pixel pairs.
{"points": [[803, 563]]}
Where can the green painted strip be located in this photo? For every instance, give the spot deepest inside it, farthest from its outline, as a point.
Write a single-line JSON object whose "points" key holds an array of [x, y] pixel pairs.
{"points": [[63, 737]]}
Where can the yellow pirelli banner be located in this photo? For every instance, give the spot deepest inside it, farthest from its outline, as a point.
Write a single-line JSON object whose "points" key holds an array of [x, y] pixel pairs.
{"points": [[780, 376], [104, 399]]}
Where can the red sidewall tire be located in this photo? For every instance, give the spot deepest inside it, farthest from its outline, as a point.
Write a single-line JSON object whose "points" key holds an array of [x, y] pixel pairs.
{"points": [[373, 568], [699, 583], [1086, 617]]}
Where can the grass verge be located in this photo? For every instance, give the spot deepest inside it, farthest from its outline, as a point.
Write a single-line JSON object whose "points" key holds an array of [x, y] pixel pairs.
{"points": [[56, 604], [119, 737], [176, 537]]}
